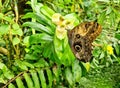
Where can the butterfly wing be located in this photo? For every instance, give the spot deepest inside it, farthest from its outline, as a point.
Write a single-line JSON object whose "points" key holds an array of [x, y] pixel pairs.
{"points": [[81, 38]]}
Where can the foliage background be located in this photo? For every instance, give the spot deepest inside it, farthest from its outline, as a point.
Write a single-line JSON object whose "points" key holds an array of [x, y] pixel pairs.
{"points": [[26, 31]]}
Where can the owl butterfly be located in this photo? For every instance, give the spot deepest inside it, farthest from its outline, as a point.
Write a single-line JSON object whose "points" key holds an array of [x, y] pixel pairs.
{"points": [[81, 38]]}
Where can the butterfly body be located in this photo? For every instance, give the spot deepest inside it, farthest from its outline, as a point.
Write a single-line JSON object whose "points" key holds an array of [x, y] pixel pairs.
{"points": [[81, 38]]}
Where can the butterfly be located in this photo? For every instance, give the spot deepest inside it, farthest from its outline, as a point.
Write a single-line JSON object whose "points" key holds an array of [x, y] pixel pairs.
{"points": [[81, 38]]}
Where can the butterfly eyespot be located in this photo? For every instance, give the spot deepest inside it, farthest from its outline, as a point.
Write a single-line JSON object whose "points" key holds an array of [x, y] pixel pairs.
{"points": [[78, 48], [77, 36]]}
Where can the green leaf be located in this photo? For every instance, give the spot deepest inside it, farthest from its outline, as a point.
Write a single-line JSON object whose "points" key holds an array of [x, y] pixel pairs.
{"points": [[21, 65], [35, 79], [112, 19], [31, 57], [6, 72], [4, 29], [41, 19], [42, 78], [117, 35], [109, 10], [38, 38], [77, 71], [27, 64], [11, 86], [6, 18], [47, 11], [50, 78], [16, 30], [19, 83], [69, 76], [26, 41], [38, 27], [1, 15], [28, 80], [117, 48], [47, 50], [41, 63], [15, 26], [16, 41], [102, 55], [101, 18]]}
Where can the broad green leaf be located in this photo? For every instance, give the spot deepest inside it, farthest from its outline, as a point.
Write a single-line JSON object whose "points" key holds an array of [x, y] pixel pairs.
{"points": [[33, 4], [68, 56], [38, 27], [26, 41], [38, 38], [47, 11], [41, 19], [28, 80], [69, 76], [4, 29], [19, 83], [35, 79], [15, 26], [50, 78], [16, 29], [63, 50], [29, 15], [42, 78], [77, 71], [16, 41], [11, 86], [17, 32]]}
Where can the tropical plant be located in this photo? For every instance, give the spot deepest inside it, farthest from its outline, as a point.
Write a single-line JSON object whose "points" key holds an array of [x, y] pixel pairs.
{"points": [[34, 49]]}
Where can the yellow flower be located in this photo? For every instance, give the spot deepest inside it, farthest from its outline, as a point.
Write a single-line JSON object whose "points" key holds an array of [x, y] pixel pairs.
{"points": [[57, 18], [68, 24], [110, 49], [61, 32]]}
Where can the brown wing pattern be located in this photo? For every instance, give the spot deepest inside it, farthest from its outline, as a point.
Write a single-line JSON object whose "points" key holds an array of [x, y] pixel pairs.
{"points": [[81, 38]]}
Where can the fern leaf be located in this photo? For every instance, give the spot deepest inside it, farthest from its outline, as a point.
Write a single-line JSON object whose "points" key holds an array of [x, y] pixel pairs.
{"points": [[42, 78], [50, 78], [28, 80], [19, 83], [11, 86], [35, 79]]}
